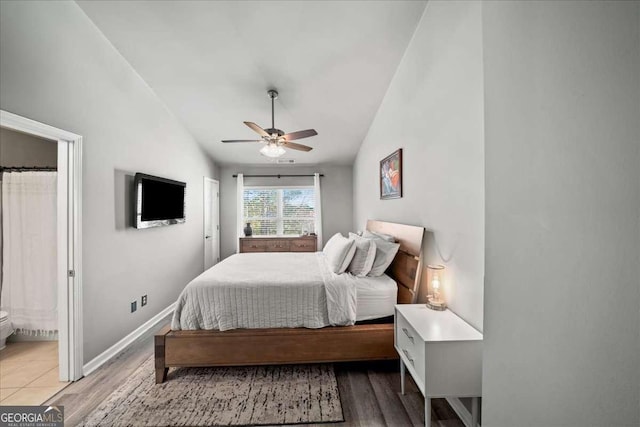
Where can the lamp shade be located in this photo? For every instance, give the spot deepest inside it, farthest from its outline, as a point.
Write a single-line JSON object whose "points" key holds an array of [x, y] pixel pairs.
{"points": [[435, 274], [272, 150]]}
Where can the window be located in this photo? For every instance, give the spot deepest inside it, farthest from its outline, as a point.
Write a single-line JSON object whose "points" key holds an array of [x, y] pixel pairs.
{"points": [[279, 211]]}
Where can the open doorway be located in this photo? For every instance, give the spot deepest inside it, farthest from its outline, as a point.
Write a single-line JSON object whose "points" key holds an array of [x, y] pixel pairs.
{"points": [[40, 282]]}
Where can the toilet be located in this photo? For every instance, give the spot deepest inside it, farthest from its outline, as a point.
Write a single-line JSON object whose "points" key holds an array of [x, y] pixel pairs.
{"points": [[6, 329]]}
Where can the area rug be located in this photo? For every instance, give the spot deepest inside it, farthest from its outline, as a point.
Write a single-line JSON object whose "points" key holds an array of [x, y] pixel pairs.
{"points": [[236, 396]]}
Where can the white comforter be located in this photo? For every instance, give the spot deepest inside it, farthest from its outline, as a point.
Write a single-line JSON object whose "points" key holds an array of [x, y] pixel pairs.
{"points": [[267, 290]]}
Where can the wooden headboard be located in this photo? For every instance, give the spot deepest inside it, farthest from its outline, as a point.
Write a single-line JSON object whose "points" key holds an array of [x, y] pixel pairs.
{"points": [[406, 268]]}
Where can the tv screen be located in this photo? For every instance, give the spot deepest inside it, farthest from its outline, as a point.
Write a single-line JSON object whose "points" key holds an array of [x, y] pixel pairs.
{"points": [[159, 201]]}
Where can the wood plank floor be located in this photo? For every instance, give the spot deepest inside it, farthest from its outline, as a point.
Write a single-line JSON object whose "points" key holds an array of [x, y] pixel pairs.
{"points": [[370, 392]]}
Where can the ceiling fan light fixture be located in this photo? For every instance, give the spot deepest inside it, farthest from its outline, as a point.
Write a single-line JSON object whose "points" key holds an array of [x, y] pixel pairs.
{"points": [[272, 150], [276, 138]]}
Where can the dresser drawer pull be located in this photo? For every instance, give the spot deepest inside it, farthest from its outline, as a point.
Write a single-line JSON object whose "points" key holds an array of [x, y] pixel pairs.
{"points": [[254, 246], [406, 353], [407, 334]]}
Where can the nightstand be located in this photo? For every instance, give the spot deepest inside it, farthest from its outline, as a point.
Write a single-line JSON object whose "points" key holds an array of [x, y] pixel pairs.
{"points": [[442, 352]]}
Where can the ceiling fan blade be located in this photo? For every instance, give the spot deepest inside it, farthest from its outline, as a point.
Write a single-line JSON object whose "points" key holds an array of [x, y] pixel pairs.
{"points": [[300, 134], [257, 129], [242, 140], [295, 146]]}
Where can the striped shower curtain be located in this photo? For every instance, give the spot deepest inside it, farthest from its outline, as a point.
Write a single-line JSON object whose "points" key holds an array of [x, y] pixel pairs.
{"points": [[29, 268]]}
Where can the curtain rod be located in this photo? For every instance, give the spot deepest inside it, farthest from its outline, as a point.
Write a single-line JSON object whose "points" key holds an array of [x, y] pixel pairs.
{"points": [[271, 176], [28, 168]]}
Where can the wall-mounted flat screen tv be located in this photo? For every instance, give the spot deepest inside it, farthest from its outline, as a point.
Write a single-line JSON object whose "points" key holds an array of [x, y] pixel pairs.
{"points": [[158, 201]]}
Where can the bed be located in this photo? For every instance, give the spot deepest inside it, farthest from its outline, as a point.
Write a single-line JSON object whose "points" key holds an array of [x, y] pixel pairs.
{"points": [[209, 328]]}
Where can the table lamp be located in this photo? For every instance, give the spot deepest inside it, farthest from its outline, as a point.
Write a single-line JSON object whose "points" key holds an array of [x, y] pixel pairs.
{"points": [[435, 300]]}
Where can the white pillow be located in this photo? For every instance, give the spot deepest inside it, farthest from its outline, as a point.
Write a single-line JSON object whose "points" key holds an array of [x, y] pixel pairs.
{"points": [[348, 258], [373, 235], [364, 256], [385, 253], [339, 251]]}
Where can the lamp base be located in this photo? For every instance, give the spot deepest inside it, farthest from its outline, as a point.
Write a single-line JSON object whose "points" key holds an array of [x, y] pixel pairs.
{"points": [[435, 304]]}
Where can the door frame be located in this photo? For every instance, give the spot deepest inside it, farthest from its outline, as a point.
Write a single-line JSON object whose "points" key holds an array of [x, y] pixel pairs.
{"points": [[69, 236], [204, 211]]}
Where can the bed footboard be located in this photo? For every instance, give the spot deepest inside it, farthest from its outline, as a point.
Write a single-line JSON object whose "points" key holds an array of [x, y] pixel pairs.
{"points": [[278, 346]]}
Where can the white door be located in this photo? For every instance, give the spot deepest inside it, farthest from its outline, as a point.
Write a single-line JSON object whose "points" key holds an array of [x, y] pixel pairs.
{"points": [[211, 222]]}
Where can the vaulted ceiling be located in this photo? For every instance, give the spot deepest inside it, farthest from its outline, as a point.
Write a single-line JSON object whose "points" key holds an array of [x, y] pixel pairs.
{"points": [[212, 62]]}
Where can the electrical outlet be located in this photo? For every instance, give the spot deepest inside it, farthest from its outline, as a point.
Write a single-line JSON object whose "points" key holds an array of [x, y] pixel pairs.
{"points": [[134, 306], [143, 301]]}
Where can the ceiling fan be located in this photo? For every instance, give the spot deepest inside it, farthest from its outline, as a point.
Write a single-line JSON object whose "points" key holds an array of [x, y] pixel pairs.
{"points": [[276, 140]]}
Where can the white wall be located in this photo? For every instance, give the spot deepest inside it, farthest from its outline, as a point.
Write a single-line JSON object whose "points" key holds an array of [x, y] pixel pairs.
{"points": [[336, 187], [562, 293], [433, 110], [57, 68]]}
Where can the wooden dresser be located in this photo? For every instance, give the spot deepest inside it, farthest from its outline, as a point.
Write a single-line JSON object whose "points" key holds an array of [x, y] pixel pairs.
{"points": [[278, 244]]}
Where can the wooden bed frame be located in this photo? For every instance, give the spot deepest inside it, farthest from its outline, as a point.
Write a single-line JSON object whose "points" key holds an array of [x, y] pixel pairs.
{"points": [[278, 346]]}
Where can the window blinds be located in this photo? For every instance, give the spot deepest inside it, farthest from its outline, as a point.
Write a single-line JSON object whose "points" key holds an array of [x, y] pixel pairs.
{"points": [[279, 211]]}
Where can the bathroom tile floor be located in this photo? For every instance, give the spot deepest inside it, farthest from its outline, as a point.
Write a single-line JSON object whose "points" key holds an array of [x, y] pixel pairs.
{"points": [[29, 373]]}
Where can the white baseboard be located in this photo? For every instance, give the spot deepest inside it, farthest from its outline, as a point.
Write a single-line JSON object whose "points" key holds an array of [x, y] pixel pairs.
{"points": [[461, 410], [112, 351]]}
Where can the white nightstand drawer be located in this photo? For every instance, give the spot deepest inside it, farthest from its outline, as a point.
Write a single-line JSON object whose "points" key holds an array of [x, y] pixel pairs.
{"points": [[410, 345]]}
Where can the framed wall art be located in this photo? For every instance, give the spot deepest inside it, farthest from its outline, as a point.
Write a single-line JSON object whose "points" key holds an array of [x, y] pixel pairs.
{"points": [[391, 176]]}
